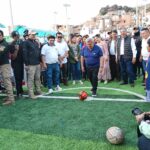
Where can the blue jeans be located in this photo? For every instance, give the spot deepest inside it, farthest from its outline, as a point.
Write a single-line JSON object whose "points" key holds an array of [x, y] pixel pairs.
{"points": [[143, 143], [127, 70], [53, 72], [144, 64], [76, 71]]}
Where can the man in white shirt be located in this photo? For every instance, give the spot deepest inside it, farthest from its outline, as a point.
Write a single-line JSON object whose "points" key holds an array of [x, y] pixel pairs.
{"points": [[50, 57], [145, 33], [114, 65], [63, 53], [126, 53]]}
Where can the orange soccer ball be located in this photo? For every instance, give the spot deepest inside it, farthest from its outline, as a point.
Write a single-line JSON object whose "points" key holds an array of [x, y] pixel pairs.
{"points": [[83, 95]]}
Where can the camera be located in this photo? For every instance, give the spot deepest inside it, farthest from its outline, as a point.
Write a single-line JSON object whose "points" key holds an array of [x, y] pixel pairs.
{"points": [[137, 111]]}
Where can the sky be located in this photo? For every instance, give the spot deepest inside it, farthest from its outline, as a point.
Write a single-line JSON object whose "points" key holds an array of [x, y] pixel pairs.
{"points": [[43, 14]]}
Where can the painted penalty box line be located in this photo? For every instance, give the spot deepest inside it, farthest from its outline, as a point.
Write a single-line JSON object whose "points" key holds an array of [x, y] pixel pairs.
{"points": [[93, 99], [88, 99], [104, 88]]}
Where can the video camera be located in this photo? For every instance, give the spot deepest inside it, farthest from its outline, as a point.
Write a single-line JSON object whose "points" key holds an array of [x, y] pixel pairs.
{"points": [[137, 111]]}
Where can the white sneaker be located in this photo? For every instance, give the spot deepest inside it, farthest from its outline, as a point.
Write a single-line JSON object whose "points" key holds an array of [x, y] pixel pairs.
{"points": [[74, 82], [81, 82], [105, 82], [58, 88], [50, 91]]}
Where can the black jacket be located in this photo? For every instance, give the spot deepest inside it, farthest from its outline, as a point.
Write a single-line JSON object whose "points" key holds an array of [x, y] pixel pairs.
{"points": [[31, 52], [138, 43], [18, 61], [4, 52]]}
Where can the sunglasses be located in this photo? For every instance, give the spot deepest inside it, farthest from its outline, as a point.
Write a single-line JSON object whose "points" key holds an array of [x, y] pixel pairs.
{"points": [[59, 37]]}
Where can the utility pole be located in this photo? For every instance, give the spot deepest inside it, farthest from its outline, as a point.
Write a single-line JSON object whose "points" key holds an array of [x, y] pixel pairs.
{"points": [[67, 29], [144, 13], [137, 14], [55, 23], [11, 14]]}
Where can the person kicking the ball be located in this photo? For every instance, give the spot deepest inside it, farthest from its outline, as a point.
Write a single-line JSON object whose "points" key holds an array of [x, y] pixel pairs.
{"points": [[92, 54]]}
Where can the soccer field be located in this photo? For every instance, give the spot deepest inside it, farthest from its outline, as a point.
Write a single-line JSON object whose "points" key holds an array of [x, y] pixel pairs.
{"points": [[71, 124]]}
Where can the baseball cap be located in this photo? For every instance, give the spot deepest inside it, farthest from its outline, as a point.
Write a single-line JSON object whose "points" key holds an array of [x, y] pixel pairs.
{"points": [[32, 32]]}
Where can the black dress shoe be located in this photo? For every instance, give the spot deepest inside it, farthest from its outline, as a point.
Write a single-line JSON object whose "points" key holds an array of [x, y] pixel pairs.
{"points": [[19, 96], [123, 83], [94, 94], [132, 84]]}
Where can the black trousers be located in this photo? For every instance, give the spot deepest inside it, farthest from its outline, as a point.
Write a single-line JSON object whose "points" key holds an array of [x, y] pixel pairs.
{"points": [[84, 74], [114, 68], [92, 75], [137, 67], [64, 72], [18, 73], [43, 78]]}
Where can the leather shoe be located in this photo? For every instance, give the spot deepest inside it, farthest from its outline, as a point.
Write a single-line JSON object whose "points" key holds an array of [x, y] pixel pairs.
{"points": [[132, 84], [38, 93], [33, 97], [123, 83], [8, 102]]}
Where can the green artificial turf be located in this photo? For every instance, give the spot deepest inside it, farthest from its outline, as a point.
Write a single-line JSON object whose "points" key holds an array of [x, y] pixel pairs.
{"points": [[20, 140], [69, 124], [72, 119]]}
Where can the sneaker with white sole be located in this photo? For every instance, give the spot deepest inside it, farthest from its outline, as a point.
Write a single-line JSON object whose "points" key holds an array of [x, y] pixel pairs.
{"points": [[94, 94], [58, 88], [105, 82], [81, 82], [50, 91], [74, 82]]}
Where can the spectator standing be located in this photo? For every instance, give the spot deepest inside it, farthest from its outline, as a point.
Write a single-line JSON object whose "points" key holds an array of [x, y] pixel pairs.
{"points": [[5, 70], [138, 42], [105, 75], [50, 55], [63, 54], [16, 51], [145, 33], [32, 57], [74, 59], [126, 53], [114, 64]]}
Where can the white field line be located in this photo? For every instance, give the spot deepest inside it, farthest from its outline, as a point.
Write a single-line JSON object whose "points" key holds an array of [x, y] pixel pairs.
{"points": [[88, 99], [47, 96], [92, 99], [104, 88]]}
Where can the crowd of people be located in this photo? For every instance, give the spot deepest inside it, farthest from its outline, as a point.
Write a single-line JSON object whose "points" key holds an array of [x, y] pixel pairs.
{"points": [[121, 58]]}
